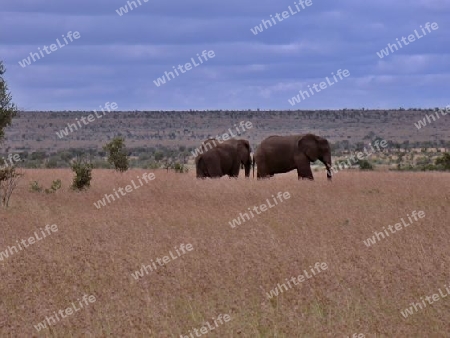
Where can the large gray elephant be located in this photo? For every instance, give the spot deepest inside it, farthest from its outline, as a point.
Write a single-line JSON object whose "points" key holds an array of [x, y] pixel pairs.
{"points": [[223, 158], [281, 154]]}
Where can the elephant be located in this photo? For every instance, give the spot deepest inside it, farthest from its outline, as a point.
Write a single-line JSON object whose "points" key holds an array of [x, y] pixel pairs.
{"points": [[221, 158], [281, 154]]}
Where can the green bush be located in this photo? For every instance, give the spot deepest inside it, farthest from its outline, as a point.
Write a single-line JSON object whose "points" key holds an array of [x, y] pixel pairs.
{"points": [[56, 185], [429, 167], [180, 168], [83, 176], [444, 161], [153, 165], [365, 165], [117, 154], [35, 187]]}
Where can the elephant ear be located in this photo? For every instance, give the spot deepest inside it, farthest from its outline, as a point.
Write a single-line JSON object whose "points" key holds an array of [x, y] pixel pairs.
{"points": [[246, 145], [244, 150], [307, 144]]}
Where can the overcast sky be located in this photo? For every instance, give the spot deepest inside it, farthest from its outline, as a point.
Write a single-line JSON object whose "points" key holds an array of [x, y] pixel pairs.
{"points": [[118, 58]]}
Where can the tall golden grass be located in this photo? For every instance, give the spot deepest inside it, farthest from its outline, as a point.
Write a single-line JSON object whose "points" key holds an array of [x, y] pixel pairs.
{"points": [[230, 270]]}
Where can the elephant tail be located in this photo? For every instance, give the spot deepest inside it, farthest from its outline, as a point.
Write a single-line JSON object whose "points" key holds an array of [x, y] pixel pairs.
{"points": [[253, 165]]}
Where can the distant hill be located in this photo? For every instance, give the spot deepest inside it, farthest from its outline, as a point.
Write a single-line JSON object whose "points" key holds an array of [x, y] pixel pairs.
{"points": [[37, 131]]}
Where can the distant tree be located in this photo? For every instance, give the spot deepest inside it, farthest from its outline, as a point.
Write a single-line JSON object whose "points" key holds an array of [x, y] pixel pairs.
{"points": [[159, 156], [9, 179], [9, 176], [8, 110], [117, 154], [444, 161]]}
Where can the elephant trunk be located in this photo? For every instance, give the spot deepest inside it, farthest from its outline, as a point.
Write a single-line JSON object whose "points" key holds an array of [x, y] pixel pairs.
{"points": [[327, 162], [329, 176]]}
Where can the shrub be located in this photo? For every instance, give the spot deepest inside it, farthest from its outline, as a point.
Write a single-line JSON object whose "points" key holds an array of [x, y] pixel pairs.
{"points": [[180, 168], [83, 176], [429, 167], [117, 154], [56, 185], [153, 165], [35, 187], [444, 161], [365, 165]]}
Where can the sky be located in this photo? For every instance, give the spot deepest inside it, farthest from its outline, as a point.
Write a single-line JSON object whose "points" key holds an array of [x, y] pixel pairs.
{"points": [[119, 57]]}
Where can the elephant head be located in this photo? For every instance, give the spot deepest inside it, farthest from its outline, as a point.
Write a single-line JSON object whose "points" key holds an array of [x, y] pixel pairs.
{"points": [[316, 148], [244, 150]]}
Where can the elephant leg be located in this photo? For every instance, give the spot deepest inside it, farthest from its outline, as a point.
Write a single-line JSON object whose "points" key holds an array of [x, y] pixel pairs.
{"points": [[200, 169], [258, 175], [214, 169], [304, 168], [208, 166], [228, 165], [235, 169], [261, 171], [202, 174]]}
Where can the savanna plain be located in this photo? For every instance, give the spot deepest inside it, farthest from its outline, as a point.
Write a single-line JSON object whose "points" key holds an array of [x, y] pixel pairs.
{"points": [[229, 271]]}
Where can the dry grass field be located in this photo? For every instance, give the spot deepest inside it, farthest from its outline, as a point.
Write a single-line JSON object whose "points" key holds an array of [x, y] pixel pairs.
{"points": [[230, 270]]}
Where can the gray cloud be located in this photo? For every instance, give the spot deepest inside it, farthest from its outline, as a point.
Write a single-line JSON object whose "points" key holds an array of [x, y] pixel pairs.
{"points": [[117, 57]]}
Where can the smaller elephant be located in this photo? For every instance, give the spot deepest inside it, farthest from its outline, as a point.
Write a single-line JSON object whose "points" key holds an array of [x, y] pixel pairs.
{"points": [[223, 158]]}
